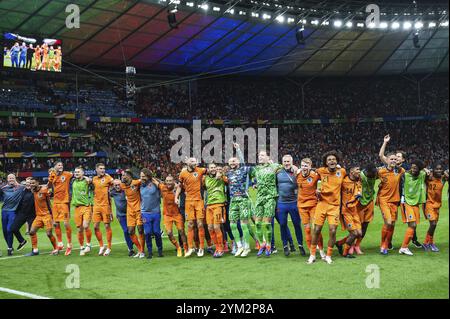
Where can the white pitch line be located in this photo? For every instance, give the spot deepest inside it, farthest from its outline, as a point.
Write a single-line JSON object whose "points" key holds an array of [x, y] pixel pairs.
{"points": [[48, 252], [21, 293]]}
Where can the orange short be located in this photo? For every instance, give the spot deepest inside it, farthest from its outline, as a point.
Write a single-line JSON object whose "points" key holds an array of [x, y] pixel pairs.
{"points": [[389, 211], [431, 213], [134, 218], [60, 212], [101, 214], [43, 222], [195, 209], [82, 214], [350, 219], [325, 211], [170, 220], [215, 214], [410, 213], [307, 214], [365, 212]]}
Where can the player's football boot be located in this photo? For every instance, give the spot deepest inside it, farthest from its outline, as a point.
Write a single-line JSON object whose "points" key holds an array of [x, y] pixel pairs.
{"points": [[54, 252], [246, 252], [10, 251], [426, 247], [141, 255], [102, 250], [21, 245], [32, 253], [384, 251], [302, 250], [311, 259], [179, 252], [131, 253], [210, 250], [416, 243], [405, 251], [349, 256], [87, 249], [358, 250], [328, 260], [68, 250], [239, 251], [286, 250], [261, 251], [189, 252], [434, 248], [292, 248], [200, 253], [268, 252], [149, 256], [257, 245], [82, 251], [160, 253], [390, 246], [107, 252], [273, 250], [61, 246], [322, 254]]}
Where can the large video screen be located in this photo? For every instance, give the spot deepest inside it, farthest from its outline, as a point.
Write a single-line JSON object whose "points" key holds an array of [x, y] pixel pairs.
{"points": [[32, 53]]}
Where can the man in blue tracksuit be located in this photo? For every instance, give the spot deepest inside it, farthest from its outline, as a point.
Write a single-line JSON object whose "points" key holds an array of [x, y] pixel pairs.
{"points": [[287, 204], [151, 211], [120, 201], [23, 55], [15, 52], [11, 194]]}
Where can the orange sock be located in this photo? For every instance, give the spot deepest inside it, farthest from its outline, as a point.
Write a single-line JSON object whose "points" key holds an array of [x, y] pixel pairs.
{"points": [[81, 238], [383, 235], [174, 242], [388, 239], [358, 241], [136, 242], [142, 242], [34, 241], [346, 249], [201, 237], [88, 236], [69, 235], [219, 237], [98, 234], [329, 251], [190, 238], [212, 235], [53, 241], [308, 237], [58, 233], [185, 246], [109, 237], [320, 242], [313, 250], [408, 236]]}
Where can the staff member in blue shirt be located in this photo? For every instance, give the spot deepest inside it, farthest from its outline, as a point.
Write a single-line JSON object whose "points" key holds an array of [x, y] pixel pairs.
{"points": [[120, 201], [151, 211], [11, 194]]}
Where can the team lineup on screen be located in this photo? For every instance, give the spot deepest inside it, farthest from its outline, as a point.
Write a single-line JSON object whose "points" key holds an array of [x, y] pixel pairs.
{"points": [[215, 202], [27, 53]]}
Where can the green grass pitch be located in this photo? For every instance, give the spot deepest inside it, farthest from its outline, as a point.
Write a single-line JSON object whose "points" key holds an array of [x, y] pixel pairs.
{"points": [[424, 275]]}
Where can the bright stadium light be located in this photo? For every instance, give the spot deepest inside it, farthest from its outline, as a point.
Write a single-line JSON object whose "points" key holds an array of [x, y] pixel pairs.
{"points": [[230, 11], [337, 23], [432, 25], [444, 24], [395, 25], [360, 25], [383, 25], [266, 16], [280, 19], [255, 14], [326, 23], [216, 9], [315, 22], [190, 4], [418, 25], [242, 13], [407, 25], [204, 6], [349, 24], [290, 20]]}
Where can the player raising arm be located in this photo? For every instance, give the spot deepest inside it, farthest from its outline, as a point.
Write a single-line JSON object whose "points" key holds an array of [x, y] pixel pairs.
{"points": [[435, 184]]}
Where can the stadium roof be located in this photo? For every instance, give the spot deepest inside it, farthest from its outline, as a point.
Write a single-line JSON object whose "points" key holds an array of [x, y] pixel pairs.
{"points": [[115, 33]]}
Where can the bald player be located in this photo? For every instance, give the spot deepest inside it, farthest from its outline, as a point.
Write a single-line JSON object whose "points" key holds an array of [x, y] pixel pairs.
{"points": [[102, 212], [60, 179], [328, 206], [191, 182]]}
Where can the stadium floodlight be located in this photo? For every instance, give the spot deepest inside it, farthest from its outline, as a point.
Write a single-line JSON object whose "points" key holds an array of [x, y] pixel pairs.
{"points": [[395, 25], [407, 25], [444, 24], [255, 14], [204, 6], [326, 22], [216, 9], [432, 24], [290, 20], [190, 4], [360, 25], [383, 25], [349, 24], [266, 16], [280, 19], [315, 22], [418, 25], [230, 11], [242, 13], [337, 23]]}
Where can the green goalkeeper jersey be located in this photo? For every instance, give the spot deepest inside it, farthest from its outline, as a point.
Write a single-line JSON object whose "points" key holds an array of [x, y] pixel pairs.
{"points": [[368, 189], [80, 193], [266, 179], [414, 188], [215, 189]]}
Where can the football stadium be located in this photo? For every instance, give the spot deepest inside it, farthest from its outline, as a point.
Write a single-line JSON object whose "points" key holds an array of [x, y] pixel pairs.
{"points": [[241, 149]]}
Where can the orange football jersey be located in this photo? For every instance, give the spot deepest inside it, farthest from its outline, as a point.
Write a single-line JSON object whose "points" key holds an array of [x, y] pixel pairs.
{"points": [[307, 187], [61, 185], [349, 191], [101, 189], [434, 192], [40, 202], [330, 185], [389, 189], [133, 195], [169, 206], [192, 183]]}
